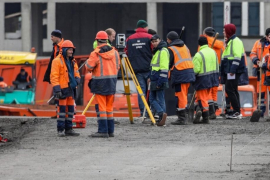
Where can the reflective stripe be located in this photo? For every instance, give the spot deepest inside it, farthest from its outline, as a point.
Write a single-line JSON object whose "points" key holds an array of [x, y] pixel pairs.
{"points": [[180, 57], [207, 73], [158, 59], [206, 108], [236, 63], [77, 71], [102, 112], [204, 67], [109, 112], [69, 119], [61, 114], [110, 118], [116, 58], [89, 66], [61, 119], [179, 109], [104, 77], [164, 70], [252, 53], [237, 58], [163, 75], [102, 118], [70, 113], [101, 66]]}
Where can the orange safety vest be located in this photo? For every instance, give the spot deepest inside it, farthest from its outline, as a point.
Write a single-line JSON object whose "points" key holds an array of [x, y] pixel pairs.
{"points": [[59, 72], [257, 50], [182, 58]]}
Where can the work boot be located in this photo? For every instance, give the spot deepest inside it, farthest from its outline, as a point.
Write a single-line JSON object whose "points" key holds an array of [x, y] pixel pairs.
{"points": [[205, 116], [162, 120], [111, 135], [212, 111], [99, 135], [197, 115], [216, 106], [182, 120], [116, 122], [71, 132], [61, 133]]}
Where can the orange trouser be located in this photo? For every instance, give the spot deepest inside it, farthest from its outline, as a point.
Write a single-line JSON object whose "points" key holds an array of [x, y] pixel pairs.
{"points": [[66, 112], [263, 86], [213, 94], [202, 99], [182, 95], [105, 119]]}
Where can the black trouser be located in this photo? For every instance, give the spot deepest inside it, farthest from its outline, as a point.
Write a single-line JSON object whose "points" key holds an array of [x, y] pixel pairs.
{"points": [[231, 88]]}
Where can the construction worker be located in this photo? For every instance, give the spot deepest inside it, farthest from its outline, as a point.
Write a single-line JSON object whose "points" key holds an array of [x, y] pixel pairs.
{"points": [[256, 55], [64, 78], [159, 78], [181, 74], [23, 76], [218, 46], [232, 66], [104, 63], [56, 37], [2, 83], [207, 72], [265, 64], [139, 51], [111, 35]]}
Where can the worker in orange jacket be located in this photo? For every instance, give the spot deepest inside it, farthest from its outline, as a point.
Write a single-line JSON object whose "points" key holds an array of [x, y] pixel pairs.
{"points": [[182, 74], [64, 78], [104, 63], [255, 56], [2, 83], [210, 33]]}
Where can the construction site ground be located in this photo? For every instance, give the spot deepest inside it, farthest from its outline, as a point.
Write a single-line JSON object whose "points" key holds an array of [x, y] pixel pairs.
{"points": [[138, 151]]}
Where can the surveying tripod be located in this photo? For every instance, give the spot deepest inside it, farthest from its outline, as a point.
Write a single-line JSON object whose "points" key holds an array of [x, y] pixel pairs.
{"points": [[127, 69]]}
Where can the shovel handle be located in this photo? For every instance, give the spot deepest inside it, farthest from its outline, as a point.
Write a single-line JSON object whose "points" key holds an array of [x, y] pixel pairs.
{"points": [[89, 103]]}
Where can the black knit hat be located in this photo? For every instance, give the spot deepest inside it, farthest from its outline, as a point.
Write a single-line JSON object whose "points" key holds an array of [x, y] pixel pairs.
{"points": [[154, 37], [1, 79], [172, 35], [209, 31], [267, 32], [57, 33], [202, 41]]}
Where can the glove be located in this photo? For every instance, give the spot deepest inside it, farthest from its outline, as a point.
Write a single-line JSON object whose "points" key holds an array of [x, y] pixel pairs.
{"points": [[58, 95], [260, 64]]}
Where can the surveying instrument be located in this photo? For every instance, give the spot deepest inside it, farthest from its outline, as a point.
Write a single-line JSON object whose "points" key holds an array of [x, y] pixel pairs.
{"points": [[126, 71]]}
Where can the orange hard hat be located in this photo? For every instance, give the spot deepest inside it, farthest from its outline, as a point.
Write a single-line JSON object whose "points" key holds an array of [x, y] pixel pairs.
{"points": [[102, 35], [68, 44]]}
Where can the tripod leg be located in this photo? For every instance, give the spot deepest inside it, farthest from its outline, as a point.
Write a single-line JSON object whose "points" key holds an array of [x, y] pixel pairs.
{"points": [[139, 89], [127, 91]]}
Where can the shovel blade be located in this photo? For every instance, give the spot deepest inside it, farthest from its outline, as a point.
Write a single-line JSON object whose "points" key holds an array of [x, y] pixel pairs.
{"points": [[256, 116]]}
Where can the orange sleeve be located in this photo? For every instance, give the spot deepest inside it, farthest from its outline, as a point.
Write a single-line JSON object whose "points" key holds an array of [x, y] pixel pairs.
{"points": [[91, 62], [55, 72], [254, 52]]}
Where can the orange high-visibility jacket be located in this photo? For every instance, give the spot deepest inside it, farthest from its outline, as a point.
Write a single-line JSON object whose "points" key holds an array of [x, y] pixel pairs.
{"points": [[182, 70], [104, 66], [59, 72], [256, 51], [218, 46]]}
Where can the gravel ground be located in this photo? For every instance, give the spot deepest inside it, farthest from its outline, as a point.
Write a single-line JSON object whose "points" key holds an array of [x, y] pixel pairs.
{"points": [[138, 151]]}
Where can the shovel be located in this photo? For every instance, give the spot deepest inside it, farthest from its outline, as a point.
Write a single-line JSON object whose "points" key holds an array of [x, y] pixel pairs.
{"points": [[80, 119], [257, 113]]}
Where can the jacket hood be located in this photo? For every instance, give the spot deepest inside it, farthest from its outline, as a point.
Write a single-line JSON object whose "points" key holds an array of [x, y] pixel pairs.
{"points": [[218, 44], [177, 42], [106, 52], [161, 45], [64, 53]]}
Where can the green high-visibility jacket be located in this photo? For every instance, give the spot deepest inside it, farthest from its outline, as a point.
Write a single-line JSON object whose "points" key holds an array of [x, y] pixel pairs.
{"points": [[206, 68]]}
